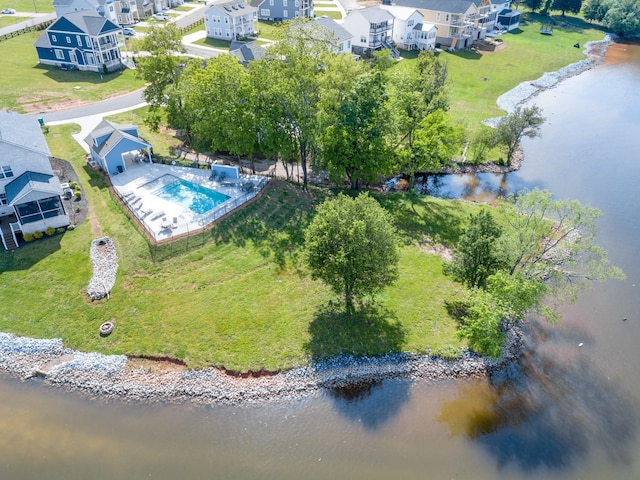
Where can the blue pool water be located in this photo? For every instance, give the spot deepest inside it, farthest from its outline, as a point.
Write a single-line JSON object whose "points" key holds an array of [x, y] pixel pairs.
{"points": [[189, 195]]}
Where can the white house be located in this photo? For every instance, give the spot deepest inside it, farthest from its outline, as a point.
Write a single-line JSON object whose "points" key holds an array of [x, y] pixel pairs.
{"points": [[105, 8], [371, 28], [30, 194], [342, 37], [230, 19], [409, 30]]}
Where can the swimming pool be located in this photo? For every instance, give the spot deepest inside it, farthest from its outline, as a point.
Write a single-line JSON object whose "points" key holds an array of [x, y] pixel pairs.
{"points": [[189, 195]]}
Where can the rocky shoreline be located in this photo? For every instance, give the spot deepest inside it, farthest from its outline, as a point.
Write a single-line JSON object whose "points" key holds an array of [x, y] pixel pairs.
{"points": [[111, 377]]}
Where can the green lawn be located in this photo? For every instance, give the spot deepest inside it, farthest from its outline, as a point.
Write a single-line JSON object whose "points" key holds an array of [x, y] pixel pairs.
{"points": [[41, 6], [26, 85], [526, 56], [8, 20], [213, 43], [268, 30], [237, 296], [328, 13]]}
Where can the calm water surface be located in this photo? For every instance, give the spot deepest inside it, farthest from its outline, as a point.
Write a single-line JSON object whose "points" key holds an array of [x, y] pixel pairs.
{"points": [[564, 412]]}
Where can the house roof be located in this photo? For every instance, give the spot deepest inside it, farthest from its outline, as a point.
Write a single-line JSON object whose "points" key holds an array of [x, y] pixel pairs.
{"points": [[401, 13], [509, 13], [86, 21], [373, 14], [22, 132], [113, 134], [43, 41], [233, 8], [30, 181], [256, 3], [247, 51], [334, 27], [451, 6], [424, 27]]}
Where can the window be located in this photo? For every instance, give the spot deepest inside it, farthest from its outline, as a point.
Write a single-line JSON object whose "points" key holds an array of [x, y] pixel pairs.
{"points": [[446, 17], [59, 54], [226, 19], [265, 12], [68, 39], [437, 16], [410, 23], [271, 3], [284, 4], [6, 172], [53, 38], [90, 59], [285, 13], [363, 39], [297, 3], [39, 210], [79, 40], [3, 199]]}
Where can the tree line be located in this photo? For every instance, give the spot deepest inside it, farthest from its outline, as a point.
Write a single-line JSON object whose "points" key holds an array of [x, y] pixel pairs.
{"points": [[304, 104]]}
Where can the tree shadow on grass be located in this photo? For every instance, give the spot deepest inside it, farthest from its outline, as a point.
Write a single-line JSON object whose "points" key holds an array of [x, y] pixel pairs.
{"points": [[372, 330], [548, 410]]}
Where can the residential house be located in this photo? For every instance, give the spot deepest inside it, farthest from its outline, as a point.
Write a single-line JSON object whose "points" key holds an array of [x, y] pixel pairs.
{"points": [[509, 19], [81, 40], [246, 51], [230, 19], [30, 193], [342, 37], [114, 147], [105, 8], [280, 10], [409, 30], [371, 28], [501, 17], [459, 22]]}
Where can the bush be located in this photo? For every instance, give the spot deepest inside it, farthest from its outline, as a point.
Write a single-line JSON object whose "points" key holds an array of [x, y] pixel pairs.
{"points": [[38, 234], [50, 231], [28, 237], [71, 227], [78, 194], [74, 186], [60, 230]]}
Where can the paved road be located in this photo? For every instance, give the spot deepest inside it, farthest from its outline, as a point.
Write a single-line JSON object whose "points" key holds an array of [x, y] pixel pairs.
{"points": [[123, 102]]}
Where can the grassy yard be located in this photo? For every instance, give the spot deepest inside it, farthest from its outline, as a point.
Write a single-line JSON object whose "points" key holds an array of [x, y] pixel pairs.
{"points": [[8, 20], [328, 13], [41, 6], [268, 30], [237, 296], [213, 43], [26, 86], [477, 80]]}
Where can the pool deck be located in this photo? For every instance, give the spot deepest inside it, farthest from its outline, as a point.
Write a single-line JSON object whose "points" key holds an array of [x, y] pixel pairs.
{"points": [[164, 219]]}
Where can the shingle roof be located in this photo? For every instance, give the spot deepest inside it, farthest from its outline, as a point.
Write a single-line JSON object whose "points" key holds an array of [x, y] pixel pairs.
{"points": [[89, 22], [233, 8], [338, 32], [374, 14], [451, 6], [402, 13], [113, 133], [43, 41], [22, 131], [28, 182], [247, 51]]}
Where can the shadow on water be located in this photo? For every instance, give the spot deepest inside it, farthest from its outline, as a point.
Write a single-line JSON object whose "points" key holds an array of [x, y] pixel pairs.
{"points": [[480, 187], [548, 410], [372, 404]]}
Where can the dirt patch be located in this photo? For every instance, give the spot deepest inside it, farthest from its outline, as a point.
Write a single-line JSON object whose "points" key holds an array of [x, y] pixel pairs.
{"points": [[76, 208], [155, 366]]}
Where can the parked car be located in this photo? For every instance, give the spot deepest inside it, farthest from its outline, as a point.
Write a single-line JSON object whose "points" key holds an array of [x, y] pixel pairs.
{"points": [[160, 16], [66, 191], [8, 11], [128, 32]]}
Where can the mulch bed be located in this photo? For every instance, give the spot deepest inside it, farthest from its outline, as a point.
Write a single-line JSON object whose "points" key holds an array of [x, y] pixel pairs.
{"points": [[65, 172]]}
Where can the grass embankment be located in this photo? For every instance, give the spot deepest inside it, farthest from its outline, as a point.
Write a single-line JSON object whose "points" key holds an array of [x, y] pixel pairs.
{"points": [[477, 79], [237, 296], [27, 86]]}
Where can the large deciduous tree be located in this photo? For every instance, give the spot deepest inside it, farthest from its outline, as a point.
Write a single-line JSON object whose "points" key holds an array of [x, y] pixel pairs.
{"points": [[623, 17], [159, 67], [523, 122], [354, 143], [571, 6], [352, 246], [479, 253]]}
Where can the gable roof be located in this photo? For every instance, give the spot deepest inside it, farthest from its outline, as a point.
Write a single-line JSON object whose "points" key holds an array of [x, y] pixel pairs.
{"points": [[334, 27], [84, 21], [22, 132], [451, 6], [373, 14], [30, 181], [233, 8], [112, 133], [401, 13], [247, 51]]}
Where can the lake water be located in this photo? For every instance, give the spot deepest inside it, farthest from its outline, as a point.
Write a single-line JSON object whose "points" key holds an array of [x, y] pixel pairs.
{"points": [[564, 412]]}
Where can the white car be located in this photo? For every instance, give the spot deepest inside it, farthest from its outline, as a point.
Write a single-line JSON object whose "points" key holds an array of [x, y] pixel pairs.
{"points": [[8, 11], [128, 32], [160, 16]]}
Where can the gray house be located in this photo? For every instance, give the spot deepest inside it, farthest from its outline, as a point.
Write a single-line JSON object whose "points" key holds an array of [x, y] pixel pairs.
{"points": [[280, 10], [342, 37], [116, 147], [30, 193]]}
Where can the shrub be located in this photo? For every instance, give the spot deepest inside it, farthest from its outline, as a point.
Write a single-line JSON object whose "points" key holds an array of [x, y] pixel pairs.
{"points": [[71, 227], [60, 230], [28, 237], [78, 194], [38, 234], [50, 231], [74, 186]]}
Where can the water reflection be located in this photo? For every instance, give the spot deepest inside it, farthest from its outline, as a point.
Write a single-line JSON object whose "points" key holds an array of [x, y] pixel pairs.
{"points": [[547, 411], [373, 404]]}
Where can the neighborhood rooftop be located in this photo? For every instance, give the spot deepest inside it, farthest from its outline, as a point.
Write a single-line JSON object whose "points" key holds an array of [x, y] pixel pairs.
{"points": [[451, 6]]}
